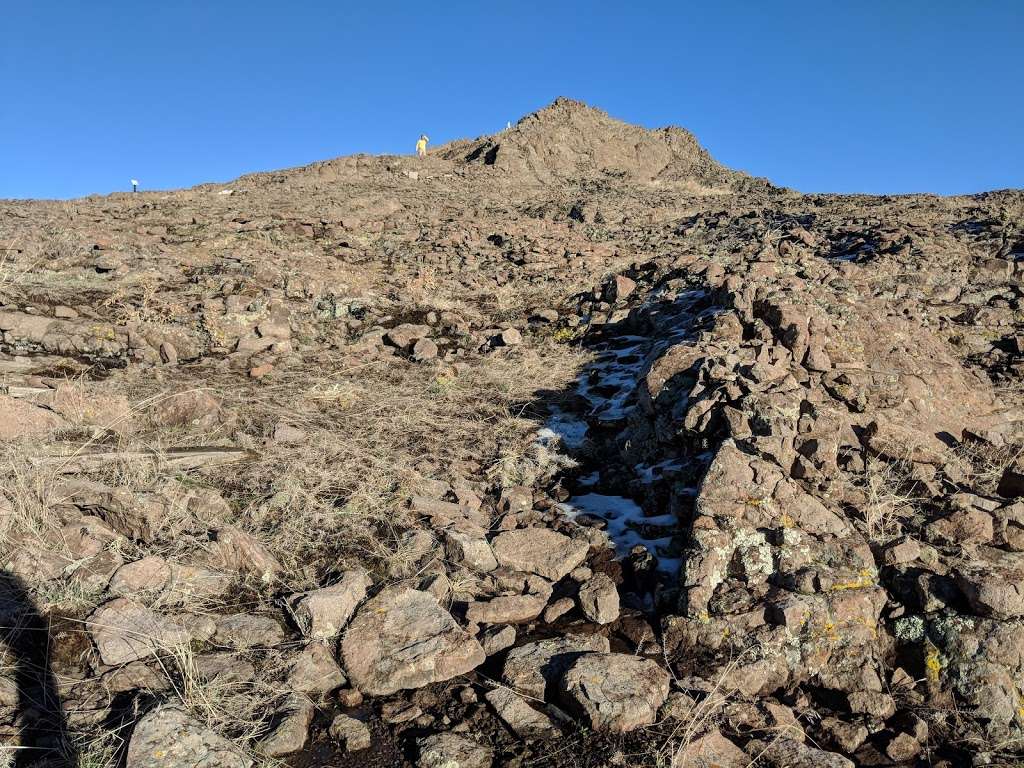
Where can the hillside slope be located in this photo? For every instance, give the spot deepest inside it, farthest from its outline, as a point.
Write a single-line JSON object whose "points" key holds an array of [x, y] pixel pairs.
{"points": [[561, 447]]}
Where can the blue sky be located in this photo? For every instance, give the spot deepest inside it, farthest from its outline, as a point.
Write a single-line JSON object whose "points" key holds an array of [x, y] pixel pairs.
{"points": [[852, 96]]}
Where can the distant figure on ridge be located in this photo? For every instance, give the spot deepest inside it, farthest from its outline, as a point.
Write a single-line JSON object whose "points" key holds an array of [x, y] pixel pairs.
{"points": [[421, 146]]}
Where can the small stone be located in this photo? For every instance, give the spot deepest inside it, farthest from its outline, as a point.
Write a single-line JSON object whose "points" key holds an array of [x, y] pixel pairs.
{"points": [[244, 630], [506, 609], [846, 737], [874, 703], [424, 350], [558, 609], [525, 721], [902, 747], [470, 551], [599, 599], [261, 371], [323, 613], [449, 750], [712, 750], [292, 731], [168, 353], [352, 734], [395, 712], [350, 698], [497, 639], [286, 434], [315, 671]]}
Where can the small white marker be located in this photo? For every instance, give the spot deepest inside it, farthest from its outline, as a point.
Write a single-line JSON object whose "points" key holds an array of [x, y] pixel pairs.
{"points": [[135, 185]]}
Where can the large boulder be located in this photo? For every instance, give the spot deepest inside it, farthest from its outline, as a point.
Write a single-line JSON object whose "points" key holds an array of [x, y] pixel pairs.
{"points": [[403, 639]]}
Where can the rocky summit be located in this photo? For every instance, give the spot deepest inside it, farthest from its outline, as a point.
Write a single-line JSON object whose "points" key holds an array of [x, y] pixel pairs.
{"points": [[562, 447]]}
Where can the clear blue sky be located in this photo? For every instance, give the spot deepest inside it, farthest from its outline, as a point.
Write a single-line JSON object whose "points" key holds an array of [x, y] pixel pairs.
{"points": [[822, 95]]}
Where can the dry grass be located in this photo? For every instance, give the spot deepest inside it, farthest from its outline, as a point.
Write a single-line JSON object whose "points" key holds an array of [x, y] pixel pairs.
{"points": [[373, 431], [890, 500]]}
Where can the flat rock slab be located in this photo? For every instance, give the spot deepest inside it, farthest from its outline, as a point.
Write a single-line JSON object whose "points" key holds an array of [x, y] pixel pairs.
{"points": [[615, 692], [402, 639], [539, 550], [126, 631], [169, 738]]}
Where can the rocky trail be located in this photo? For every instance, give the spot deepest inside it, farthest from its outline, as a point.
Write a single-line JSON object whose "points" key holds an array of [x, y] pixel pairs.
{"points": [[563, 447]]}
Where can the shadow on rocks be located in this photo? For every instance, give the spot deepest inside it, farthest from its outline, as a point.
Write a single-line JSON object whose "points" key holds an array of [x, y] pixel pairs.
{"points": [[29, 681]]}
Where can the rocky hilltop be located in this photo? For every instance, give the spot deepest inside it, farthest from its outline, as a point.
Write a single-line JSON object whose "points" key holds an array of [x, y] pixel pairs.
{"points": [[565, 446]]}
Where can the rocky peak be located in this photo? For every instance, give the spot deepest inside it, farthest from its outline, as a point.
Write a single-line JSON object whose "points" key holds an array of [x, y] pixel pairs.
{"points": [[570, 140]]}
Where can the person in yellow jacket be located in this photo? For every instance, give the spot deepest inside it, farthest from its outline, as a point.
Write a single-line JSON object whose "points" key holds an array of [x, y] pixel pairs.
{"points": [[421, 146]]}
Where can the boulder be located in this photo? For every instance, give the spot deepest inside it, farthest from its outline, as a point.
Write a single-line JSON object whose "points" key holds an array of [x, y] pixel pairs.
{"points": [[615, 692], [531, 668], [402, 639]]}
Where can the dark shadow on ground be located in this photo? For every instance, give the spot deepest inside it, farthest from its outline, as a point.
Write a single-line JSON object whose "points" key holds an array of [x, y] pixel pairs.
{"points": [[25, 653]]}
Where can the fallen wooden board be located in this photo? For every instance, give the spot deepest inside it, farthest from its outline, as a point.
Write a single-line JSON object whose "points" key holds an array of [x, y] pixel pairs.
{"points": [[174, 459]]}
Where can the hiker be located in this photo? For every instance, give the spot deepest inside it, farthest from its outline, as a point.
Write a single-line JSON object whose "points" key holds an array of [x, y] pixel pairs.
{"points": [[421, 145]]}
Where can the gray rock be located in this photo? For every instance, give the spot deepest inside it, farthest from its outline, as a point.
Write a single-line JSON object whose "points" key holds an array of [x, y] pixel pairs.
{"points": [[243, 630], [539, 550], [599, 599], [530, 668], [449, 750], [784, 752], [403, 639], [292, 730], [497, 639], [323, 613], [524, 720], [169, 738], [316, 671], [615, 692], [353, 734], [125, 631]]}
